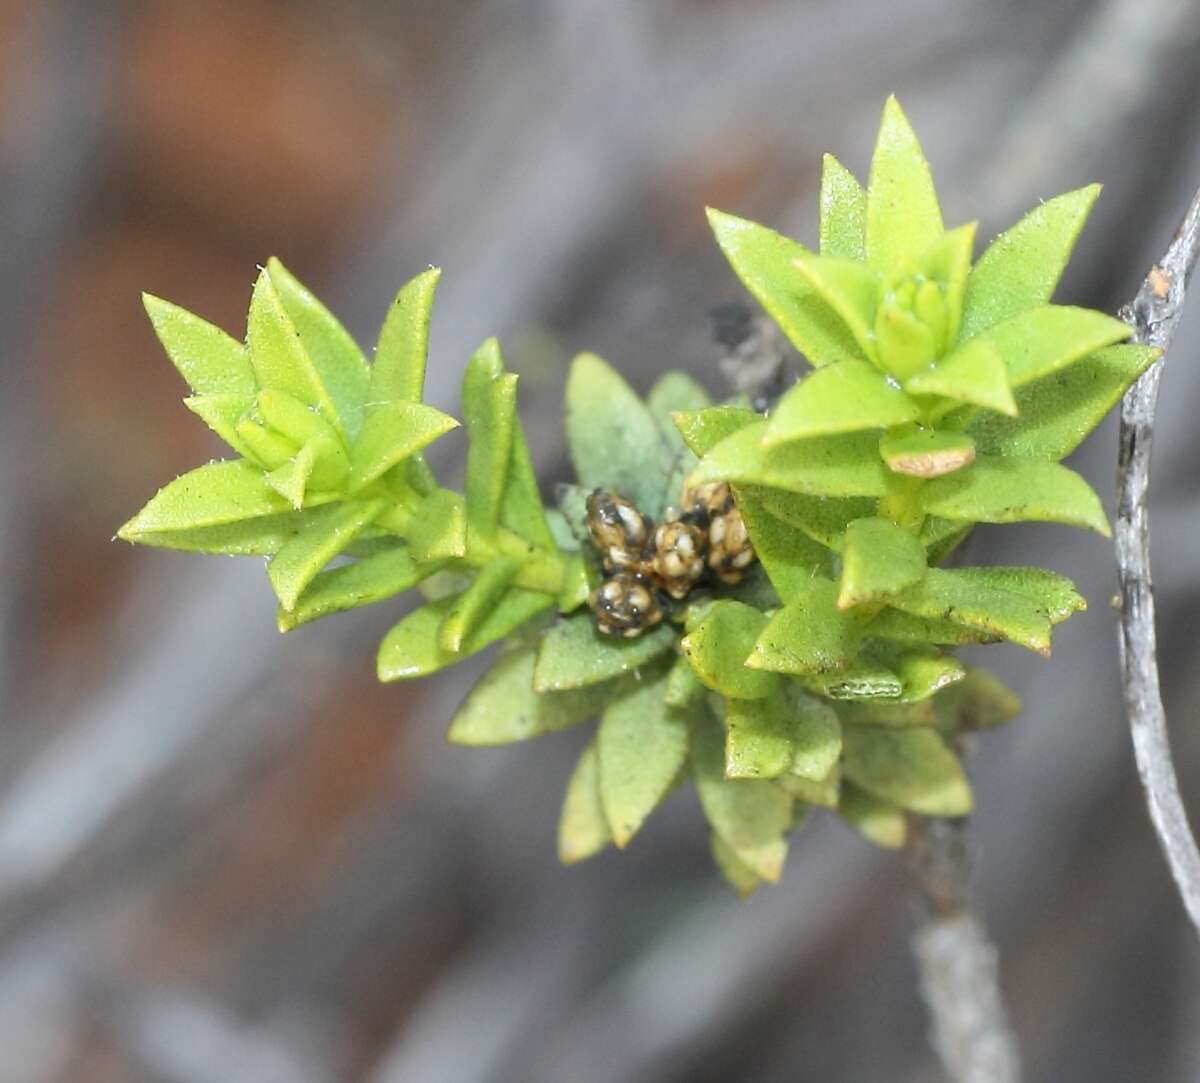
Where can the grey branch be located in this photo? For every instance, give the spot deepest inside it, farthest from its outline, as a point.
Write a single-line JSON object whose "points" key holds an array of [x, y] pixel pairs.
{"points": [[958, 964], [1154, 315]]}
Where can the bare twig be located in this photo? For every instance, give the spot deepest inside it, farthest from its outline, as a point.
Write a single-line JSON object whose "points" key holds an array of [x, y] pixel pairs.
{"points": [[957, 961], [1154, 315]]}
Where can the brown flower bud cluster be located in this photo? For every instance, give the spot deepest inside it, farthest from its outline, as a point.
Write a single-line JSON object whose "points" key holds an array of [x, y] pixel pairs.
{"points": [[643, 562]]}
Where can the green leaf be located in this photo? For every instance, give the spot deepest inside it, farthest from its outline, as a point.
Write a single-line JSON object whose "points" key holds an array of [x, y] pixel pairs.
{"points": [[522, 510], [717, 648], [503, 707], [1058, 411], [703, 429], [439, 528], [879, 559], [821, 518], [392, 432], [472, 606], [809, 634], [335, 355], [614, 440], [742, 878], [1040, 341], [828, 465], [582, 827], [292, 478], [209, 360], [278, 353], [974, 373], [489, 397], [411, 648], [909, 628], [221, 412], [847, 396], [912, 768], [850, 289], [823, 792], [903, 216], [787, 733], [877, 821], [923, 671], [887, 712], [1054, 594], [328, 532], [843, 209], [576, 583], [398, 372], [349, 586], [260, 536], [948, 595], [926, 453], [977, 702], [751, 816], [948, 261], [765, 262], [941, 537], [863, 678], [215, 494], [683, 686], [1022, 267], [642, 744], [1004, 490], [789, 557], [674, 392], [575, 654]]}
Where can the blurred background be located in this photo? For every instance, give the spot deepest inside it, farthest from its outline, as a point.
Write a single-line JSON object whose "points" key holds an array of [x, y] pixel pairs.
{"points": [[231, 856]]}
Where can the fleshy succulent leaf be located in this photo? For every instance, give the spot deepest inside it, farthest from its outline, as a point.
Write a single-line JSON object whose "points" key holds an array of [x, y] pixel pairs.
{"points": [[398, 371], [975, 373], [221, 412], [911, 768], [372, 579], [472, 606], [786, 733], [789, 557], [847, 396], [879, 559], [878, 821], [489, 410], [1010, 490], [718, 645], [843, 212], [809, 634], [439, 528], [850, 289], [1021, 267], [948, 262], [903, 216], [573, 654], [926, 453], [583, 830], [209, 360], [329, 530], [703, 429], [391, 433]]}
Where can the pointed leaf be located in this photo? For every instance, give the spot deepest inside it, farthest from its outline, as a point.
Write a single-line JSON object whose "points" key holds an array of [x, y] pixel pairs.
{"points": [[392, 432], [821, 518], [1040, 341], [614, 440], [221, 412], [216, 494], [674, 392], [411, 648], [521, 510], [948, 595], [717, 648], [887, 712], [828, 465], [439, 528], [642, 744], [923, 671], [787, 733], [327, 534], [912, 768], [948, 261], [503, 707], [1003, 490], [263, 535], [1058, 411], [489, 397], [582, 827], [472, 606], [847, 396], [291, 479], [278, 353], [751, 816], [1022, 267], [824, 792], [926, 453], [850, 289], [974, 373], [683, 686], [336, 356], [365, 582], [703, 429], [763, 260], [864, 678], [789, 557], [979, 701], [398, 372], [1054, 594], [877, 821], [879, 559], [809, 634], [843, 205], [574, 654], [903, 216], [909, 628], [209, 360], [742, 878]]}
